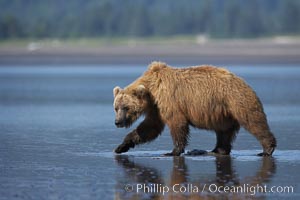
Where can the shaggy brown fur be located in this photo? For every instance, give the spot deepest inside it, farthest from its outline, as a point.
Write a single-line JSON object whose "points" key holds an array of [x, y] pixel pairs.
{"points": [[205, 97]]}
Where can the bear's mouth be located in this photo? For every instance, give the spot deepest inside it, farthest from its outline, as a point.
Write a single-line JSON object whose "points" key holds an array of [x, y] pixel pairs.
{"points": [[119, 125], [126, 123]]}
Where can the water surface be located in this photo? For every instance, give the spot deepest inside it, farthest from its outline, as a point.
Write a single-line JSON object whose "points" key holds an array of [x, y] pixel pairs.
{"points": [[57, 134]]}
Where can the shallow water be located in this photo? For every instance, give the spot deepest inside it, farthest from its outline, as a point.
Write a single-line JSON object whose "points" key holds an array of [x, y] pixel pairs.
{"points": [[57, 134]]}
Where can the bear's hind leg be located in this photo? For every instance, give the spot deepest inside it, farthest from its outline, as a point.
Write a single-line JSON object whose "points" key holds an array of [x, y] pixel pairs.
{"points": [[258, 126], [224, 141], [226, 137], [268, 142], [265, 137], [180, 135]]}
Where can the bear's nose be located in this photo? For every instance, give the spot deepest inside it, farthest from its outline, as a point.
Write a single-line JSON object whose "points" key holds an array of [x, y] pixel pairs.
{"points": [[117, 123]]}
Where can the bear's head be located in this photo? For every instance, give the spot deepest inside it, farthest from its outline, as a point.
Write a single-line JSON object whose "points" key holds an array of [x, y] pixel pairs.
{"points": [[129, 104]]}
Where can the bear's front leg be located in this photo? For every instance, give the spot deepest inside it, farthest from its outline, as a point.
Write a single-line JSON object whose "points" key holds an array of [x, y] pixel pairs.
{"points": [[180, 138], [127, 143], [147, 131]]}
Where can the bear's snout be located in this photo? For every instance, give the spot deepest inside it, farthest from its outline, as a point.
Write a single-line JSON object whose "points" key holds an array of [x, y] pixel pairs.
{"points": [[118, 123]]}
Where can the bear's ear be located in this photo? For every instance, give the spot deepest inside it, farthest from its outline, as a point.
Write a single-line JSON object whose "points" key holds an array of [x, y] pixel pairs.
{"points": [[140, 91], [156, 66], [117, 89]]}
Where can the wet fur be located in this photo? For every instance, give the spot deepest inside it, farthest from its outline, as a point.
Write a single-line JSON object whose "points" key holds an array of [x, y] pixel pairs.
{"points": [[204, 97]]}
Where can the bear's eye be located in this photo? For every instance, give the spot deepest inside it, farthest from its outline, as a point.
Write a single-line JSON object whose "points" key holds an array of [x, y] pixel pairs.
{"points": [[125, 108]]}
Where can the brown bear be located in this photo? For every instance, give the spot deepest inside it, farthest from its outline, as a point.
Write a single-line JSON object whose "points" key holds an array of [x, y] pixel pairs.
{"points": [[205, 97]]}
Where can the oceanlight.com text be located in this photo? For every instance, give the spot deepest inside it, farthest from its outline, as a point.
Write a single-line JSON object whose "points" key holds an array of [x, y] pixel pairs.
{"points": [[153, 188]]}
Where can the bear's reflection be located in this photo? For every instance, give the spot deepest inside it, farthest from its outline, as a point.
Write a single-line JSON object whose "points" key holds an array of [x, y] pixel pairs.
{"points": [[190, 186]]}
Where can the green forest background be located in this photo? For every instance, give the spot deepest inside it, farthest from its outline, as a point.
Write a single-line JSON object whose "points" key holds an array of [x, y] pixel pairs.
{"points": [[148, 18]]}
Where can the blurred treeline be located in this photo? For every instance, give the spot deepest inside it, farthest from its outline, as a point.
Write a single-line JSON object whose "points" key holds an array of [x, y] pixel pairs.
{"points": [[148, 18]]}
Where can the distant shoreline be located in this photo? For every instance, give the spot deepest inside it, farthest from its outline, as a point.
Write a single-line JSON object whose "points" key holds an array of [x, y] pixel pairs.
{"points": [[235, 52]]}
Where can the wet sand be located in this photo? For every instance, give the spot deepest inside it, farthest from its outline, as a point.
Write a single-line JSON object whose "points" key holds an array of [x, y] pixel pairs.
{"points": [[57, 135], [212, 52]]}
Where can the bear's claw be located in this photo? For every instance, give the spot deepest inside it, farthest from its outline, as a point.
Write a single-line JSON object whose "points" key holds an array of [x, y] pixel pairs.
{"points": [[264, 154], [169, 154], [124, 147], [267, 152], [221, 151], [175, 152], [121, 149]]}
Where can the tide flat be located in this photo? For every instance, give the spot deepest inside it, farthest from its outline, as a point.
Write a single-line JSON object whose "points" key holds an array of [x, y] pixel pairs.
{"points": [[57, 138]]}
